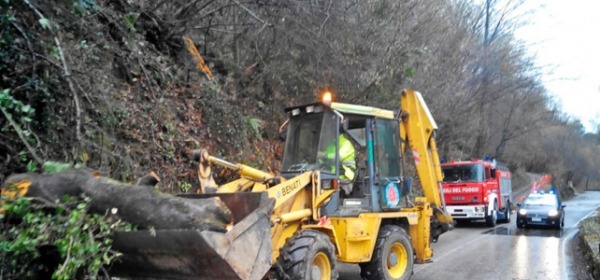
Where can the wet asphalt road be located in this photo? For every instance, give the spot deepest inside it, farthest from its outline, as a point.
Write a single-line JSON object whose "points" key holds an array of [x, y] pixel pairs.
{"points": [[475, 251]]}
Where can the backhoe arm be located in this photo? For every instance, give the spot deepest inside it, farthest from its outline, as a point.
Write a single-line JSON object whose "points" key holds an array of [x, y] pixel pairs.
{"points": [[417, 129]]}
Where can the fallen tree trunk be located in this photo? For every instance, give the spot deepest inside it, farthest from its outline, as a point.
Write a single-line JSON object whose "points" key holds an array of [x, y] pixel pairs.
{"points": [[139, 205]]}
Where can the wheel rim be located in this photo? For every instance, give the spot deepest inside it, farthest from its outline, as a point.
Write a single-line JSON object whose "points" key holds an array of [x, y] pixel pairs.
{"points": [[495, 210], [397, 260], [321, 267]]}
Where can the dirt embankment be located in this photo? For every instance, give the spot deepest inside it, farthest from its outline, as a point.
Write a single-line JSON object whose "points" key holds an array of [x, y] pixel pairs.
{"points": [[585, 249], [111, 85]]}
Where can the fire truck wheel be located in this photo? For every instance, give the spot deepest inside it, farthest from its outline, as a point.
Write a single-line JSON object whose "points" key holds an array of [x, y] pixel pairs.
{"points": [[392, 258], [507, 212], [308, 255], [491, 219]]}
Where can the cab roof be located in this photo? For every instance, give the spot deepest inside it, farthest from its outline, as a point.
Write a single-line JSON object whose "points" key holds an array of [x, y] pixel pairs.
{"points": [[345, 108], [465, 162]]}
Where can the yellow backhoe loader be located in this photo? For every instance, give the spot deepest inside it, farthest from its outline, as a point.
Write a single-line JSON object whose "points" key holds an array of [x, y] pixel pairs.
{"points": [[299, 224]]}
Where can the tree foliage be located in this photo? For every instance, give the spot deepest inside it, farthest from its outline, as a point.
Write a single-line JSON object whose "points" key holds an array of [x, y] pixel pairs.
{"points": [[32, 246], [111, 84]]}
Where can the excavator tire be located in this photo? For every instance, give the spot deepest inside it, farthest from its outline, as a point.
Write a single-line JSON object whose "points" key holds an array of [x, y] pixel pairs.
{"points": [[393, 256], [308, 255]]}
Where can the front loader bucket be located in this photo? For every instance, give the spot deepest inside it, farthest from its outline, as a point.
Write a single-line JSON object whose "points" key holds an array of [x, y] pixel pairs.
{"points": [[242, 253]]}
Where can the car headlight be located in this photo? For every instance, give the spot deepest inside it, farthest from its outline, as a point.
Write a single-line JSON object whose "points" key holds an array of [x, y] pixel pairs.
{"points": [[522, 211], [553, 212]]}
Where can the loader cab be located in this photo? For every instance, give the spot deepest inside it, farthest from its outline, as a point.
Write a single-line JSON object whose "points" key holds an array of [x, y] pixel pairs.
{"points": [[311, 130], [378, 184]]}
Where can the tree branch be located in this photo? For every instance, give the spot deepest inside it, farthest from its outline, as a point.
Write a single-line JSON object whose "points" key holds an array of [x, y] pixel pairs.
{"points": [[66, 73], [29, 46], [68, 258], [326, 19], [251, 13], [19, 131]]}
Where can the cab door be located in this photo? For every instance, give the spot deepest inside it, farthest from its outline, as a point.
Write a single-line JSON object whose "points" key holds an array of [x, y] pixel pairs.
{"points": [[387, 164]]}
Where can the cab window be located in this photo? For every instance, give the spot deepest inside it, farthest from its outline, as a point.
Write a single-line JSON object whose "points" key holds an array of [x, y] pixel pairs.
{"points": [[387, 148]]}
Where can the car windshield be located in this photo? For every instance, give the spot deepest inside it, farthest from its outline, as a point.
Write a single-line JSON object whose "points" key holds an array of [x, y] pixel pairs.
{"points": [[463, 173], [541, 200]]}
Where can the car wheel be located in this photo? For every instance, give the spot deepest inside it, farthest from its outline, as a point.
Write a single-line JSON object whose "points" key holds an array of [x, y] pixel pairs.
{"points": [[562, 223]]}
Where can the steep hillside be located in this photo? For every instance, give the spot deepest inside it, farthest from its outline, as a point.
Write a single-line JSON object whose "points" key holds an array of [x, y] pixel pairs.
{"points": [[110, 85], [114, 85]]}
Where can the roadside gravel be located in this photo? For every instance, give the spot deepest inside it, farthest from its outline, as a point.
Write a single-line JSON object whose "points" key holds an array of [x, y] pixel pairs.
{"points": [[580, 267]]}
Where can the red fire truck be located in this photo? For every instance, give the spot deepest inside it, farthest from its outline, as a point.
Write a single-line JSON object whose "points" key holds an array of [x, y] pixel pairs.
{"points": [[477, 189]]}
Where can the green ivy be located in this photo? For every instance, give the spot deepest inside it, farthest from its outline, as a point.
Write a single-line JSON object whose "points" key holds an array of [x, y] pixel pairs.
{"points": [[130, 20], [19, 116], [51, 167], [31, 166], [184, 187], [255, 124], [80, 240], [20, 112]]}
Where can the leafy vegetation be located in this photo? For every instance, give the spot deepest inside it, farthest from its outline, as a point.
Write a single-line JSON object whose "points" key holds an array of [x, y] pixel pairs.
{"points": [[18, 116], [32, 246]]}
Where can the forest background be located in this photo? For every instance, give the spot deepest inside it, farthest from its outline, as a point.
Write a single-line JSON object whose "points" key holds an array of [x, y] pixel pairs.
{"points": [[127, 87]]}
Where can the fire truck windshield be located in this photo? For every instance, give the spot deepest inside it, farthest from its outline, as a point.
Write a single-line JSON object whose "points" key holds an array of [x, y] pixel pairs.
{"points": [[463, 173]]}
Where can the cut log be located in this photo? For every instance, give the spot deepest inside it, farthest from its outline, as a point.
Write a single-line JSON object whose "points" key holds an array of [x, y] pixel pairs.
{"points": [[136, 204]]}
